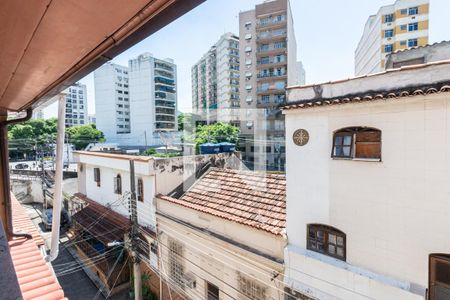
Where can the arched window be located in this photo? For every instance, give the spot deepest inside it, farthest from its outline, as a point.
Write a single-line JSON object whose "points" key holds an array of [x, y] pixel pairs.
{"points": [[140, 190], [118, 184], [357, 143], [326, 240], [439, 276]]}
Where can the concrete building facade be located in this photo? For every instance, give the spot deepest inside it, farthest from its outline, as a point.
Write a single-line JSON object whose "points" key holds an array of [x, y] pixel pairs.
{"points": [[268, 64], [153, 98], [418, 55], [76, 105], [215, 80], [367, 186], [112, 101], [401, 25]]}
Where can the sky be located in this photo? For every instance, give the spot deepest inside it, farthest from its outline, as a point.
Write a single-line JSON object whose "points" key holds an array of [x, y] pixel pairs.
{"points": [[327, 33]]}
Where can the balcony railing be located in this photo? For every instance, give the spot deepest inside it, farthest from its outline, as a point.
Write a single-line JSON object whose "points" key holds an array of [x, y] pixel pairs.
{"points": [[272, 60], [271, 48], [271, 75], [272, 21], [270, 35]]}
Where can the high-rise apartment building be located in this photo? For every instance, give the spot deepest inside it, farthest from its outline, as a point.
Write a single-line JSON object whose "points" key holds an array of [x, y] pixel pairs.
{"points": [[401, 25], [215, 79], [76, 105], [268, 64], [153, 97], [112, 101]]}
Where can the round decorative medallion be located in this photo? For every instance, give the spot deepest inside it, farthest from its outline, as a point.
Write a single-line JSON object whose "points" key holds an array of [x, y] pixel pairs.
{"points": [[300, 137]]}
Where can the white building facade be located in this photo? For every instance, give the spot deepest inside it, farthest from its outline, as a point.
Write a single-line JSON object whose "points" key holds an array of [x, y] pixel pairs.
{"points": [[112, 102], [401, 25], [215, 79], [368, 186], [153, 99], [76, 105]]}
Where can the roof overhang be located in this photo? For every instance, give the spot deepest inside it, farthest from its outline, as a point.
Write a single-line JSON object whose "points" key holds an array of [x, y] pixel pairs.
{"points": [[48, 45]]}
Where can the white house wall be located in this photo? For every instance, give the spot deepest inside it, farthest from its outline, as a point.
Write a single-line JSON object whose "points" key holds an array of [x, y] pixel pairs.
{"points": [[394, 213]]}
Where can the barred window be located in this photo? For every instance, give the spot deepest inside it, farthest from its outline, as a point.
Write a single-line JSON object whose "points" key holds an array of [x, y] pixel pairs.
{"points": [[251, 288], [176, 267]]}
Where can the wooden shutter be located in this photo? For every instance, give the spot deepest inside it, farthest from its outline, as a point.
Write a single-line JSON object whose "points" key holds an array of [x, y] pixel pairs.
{"points": [[368, 144], [439, 277], [97, 176]]}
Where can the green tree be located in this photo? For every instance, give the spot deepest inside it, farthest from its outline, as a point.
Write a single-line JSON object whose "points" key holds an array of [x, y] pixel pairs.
{"points": [[216, 133], [80, 136], [149, 152]]}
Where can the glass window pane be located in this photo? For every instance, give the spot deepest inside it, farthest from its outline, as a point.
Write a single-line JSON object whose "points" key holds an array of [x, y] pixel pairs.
{"points": [[331, 249], [320, 247], [345, 151], [320, 235], [312, 234], [332, 238], [347, 140], [338, 140], [340, 241], [313, 245], [340, 251]]}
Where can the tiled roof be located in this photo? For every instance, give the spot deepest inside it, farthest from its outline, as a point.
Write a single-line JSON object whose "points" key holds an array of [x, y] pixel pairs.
{"points": [[372, 96], [102, 222], [36, 279], [254, 199]]}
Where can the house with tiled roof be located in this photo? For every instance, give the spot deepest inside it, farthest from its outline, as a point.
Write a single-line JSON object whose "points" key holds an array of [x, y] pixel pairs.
{"points": [[368, 186], [101, 211], [224, 237]]}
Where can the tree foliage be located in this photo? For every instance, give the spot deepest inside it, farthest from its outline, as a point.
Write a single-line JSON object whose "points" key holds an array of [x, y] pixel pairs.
{"points": [[215, 133], [80, 136]]}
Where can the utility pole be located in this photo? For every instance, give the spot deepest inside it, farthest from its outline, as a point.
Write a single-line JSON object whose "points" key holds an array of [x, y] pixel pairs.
{"points": [[134, 237]]}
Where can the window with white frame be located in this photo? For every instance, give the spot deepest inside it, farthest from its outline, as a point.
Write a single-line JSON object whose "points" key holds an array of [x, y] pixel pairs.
{"points": [[388, 48], [412, 43], [413, 26], [389, 33], [413, 11], [388, 18]]}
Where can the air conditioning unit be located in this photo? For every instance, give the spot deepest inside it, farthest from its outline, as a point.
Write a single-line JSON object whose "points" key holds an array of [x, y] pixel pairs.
{"points": [[189, 280]]}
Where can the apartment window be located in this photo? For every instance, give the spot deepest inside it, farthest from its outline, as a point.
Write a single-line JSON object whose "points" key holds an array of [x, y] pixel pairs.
{"points": [[248, 36], [388, 48], [403, 11], [251, 288], [248, 87], [265, 99], [413, 26], [97, 176], [176, 267], [248, 62], [439, 276], [388, 18], [403, 43], [412, 42], [212, 291], [279, 45], [248, 49], [403, 27], [413, 11], [326, 240], [118, 184], [279, 85], [357, 142], [388, 33], [140, 190]]}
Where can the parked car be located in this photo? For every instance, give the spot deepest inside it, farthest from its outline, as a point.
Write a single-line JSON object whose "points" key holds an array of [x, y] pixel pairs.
{"points": [[47, 218], [22, 166]]}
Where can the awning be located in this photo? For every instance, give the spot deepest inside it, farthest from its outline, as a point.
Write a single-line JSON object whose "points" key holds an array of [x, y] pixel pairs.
{"points": [[47, 45]]}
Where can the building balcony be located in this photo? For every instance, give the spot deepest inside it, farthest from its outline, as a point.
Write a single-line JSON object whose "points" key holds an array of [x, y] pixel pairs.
{"points": [[270, 51], [263, 77], [269, 36], [271, 23]]}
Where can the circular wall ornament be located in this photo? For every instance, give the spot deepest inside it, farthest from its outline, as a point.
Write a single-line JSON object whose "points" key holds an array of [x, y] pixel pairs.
{"points": [[300, 137]]}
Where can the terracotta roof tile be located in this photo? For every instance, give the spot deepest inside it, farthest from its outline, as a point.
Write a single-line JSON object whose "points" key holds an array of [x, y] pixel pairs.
{"points": [[254, 199], [36, 280], [402, 93]]}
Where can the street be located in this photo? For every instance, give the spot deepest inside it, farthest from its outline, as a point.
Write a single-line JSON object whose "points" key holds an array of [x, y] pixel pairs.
{"points": [[72, 278]]}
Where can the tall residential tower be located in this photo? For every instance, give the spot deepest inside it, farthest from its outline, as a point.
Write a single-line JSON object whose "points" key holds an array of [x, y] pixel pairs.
{"points": [[268, 56], [215, 79], [76, 105], [401, 25], [112, 101]]}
